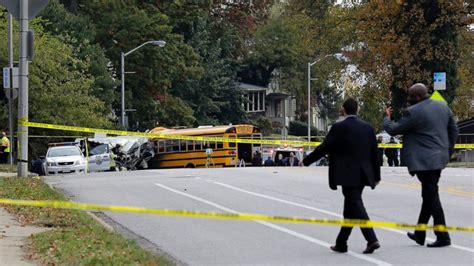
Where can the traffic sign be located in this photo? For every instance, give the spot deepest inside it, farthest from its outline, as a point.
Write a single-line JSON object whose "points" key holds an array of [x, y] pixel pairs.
{"points": [[11, 93], [14, 78], [437, 97], [6, 77], [439, 79], [34, 7]]}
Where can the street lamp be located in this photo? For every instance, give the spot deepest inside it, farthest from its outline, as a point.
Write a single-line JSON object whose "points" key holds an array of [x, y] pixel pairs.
{"points": [[160, 43], [337, 55]]}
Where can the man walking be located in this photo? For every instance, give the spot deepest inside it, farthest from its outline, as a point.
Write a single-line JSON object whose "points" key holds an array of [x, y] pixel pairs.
{"points": [[429, 135], [352, 147]]}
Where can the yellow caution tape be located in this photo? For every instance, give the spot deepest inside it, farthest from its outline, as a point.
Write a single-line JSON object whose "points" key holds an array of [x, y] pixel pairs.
{"points": [[230, 216], [198, 138], [163, 136]]}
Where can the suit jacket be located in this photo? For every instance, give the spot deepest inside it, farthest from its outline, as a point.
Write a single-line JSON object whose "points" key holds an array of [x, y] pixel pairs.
{"points": [[353, 156], [429, 134]]}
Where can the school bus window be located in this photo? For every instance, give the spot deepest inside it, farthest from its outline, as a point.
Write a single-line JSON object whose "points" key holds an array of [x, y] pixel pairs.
{"points": [[190, 145], [213, 145], [169, 145], [175, 145], [198, 145], [183, 145], [161, 146], [220, 145], [232, 144]]}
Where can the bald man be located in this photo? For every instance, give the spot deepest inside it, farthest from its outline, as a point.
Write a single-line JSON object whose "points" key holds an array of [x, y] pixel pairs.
{"points": [[429, 133]]}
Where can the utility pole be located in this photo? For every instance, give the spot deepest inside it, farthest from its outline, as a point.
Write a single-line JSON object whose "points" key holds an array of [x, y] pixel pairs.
{"points": [[23, 92], [11, 130]]}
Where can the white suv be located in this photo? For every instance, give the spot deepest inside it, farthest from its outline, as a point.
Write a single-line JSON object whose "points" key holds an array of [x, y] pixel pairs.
{"points": [[65, 159]]}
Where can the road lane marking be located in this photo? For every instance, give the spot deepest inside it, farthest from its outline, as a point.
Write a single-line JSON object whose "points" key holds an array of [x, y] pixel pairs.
{"points": [[450, 190], [324, 211], [273, 226]]}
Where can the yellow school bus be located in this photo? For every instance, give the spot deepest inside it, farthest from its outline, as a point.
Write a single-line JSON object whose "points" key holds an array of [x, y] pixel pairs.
{"points": [[171, 153]]}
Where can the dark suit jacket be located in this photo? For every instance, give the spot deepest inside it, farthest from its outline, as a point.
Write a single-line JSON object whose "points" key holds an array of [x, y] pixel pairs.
{"points": [[353, 156]]}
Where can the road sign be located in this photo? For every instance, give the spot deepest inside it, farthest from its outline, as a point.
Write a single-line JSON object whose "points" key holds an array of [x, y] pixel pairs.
{"points": [[34, 7], [6, 77], [11, 93], [439, 79], [14, 78], [437, 97]]}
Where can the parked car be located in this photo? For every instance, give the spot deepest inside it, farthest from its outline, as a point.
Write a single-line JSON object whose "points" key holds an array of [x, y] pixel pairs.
{"points": [[65, 159]]}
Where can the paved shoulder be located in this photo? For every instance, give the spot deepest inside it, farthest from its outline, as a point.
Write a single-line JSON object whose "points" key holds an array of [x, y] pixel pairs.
{"points": [[13, 238]]}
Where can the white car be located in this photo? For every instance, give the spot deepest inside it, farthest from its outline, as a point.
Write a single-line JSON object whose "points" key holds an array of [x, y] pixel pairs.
{"points": [[65, 159]]}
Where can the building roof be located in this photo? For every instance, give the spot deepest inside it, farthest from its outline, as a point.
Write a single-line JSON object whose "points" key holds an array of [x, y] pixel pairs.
{"points": [[250, 87]]}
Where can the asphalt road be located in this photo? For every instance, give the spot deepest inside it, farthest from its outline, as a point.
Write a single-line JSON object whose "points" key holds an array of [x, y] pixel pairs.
{"points": [[285, 191]]}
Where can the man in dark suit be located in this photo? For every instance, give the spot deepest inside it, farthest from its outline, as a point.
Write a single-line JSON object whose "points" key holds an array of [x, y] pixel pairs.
{"points": [[352, 147], [429, 135]]}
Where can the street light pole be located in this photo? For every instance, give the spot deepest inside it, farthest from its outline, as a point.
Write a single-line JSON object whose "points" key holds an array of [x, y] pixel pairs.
{"points": [[309, 101], [122, 70], [160, 43], [10, 100], [309, 89]]}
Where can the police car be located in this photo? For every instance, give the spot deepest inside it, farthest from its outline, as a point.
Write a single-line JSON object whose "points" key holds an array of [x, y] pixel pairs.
{"points": [[64, 158]]}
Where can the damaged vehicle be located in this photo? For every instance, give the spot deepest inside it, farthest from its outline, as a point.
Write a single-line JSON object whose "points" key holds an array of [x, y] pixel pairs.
{"points": [[120, 153]]}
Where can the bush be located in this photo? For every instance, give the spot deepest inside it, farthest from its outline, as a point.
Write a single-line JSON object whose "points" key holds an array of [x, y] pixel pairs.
{"points": [[298, 128]]}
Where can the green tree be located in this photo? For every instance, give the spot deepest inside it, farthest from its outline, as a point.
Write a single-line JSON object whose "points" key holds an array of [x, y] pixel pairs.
{"points": [[128, 25], [79, 32], [60, 89]]}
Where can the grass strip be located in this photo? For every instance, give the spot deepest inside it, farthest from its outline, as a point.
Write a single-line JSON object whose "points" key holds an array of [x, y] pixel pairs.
{"points": [[7, 168], [75, 238], [461, 164]]}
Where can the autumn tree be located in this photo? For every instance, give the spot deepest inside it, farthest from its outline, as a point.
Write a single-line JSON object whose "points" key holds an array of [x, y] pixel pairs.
{"points": [[404, 42]]}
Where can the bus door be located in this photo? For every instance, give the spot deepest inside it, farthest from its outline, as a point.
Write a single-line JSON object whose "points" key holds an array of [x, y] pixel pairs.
{"points": [[256, 146], [244, 150]]}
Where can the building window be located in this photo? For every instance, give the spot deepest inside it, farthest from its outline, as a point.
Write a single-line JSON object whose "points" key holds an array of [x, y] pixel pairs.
{"points": [[254, 101]]}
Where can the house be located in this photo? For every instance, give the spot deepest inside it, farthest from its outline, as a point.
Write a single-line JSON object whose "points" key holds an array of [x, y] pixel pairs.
{"points": [[275, 104]]}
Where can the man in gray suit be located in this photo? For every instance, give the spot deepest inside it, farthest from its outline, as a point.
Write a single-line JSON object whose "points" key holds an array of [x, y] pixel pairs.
{"points": [[429, 135]]}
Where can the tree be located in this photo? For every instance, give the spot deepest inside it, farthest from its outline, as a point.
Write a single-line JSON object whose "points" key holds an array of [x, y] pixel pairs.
{"points": [[79, 32], [128, 25], [463, 102], [60, 90], [404, 42]]}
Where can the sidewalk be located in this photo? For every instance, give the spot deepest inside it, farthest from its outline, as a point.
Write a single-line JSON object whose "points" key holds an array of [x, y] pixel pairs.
{"points": [[13, 237]]}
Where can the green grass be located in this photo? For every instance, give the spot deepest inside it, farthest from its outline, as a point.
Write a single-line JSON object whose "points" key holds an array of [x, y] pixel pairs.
{"points": [[461, 164], [75, 238], [6, 168]]}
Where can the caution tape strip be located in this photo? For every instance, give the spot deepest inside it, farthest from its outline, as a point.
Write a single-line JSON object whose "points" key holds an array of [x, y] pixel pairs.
{"points": [[163, 136], [230, 216], [198, 138]]}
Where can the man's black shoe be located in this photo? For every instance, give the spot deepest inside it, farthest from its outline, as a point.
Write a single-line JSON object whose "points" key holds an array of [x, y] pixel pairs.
{"points": [[439, 243], [339, 249], [413, 237], [371, 247]]}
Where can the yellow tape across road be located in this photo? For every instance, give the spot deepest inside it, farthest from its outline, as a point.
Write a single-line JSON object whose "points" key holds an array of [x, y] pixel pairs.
{"points": [[229, 216], [198, 138]]}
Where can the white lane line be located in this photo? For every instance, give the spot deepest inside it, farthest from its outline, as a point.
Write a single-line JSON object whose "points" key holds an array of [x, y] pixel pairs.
{"points": [[325, 211], [273, 226]]}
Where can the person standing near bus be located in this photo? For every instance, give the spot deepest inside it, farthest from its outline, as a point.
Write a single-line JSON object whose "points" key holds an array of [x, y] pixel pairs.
{"points": [[209, 156]]}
